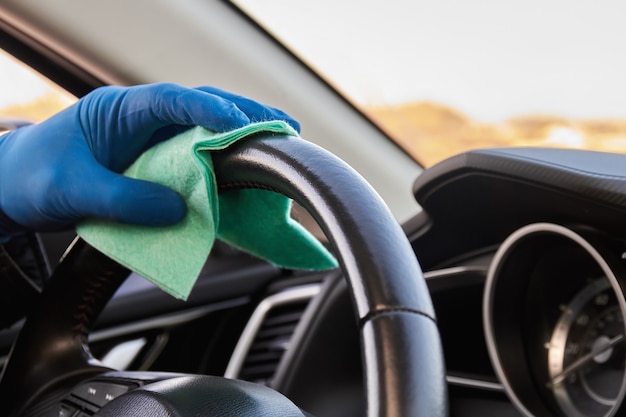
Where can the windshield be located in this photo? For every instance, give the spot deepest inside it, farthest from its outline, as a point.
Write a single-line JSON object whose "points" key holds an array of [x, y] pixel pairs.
{"points": [[442, 77]]}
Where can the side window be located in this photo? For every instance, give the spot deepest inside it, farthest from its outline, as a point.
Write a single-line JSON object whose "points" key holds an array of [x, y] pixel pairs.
{"points": [[26, 95]]}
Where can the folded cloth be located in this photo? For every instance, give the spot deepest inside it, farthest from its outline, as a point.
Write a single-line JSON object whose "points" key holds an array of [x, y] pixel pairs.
{"points": [[256, 221]]}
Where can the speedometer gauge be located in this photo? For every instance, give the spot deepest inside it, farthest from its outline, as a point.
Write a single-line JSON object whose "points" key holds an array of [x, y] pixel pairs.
{"points": [[586, 352], [554, 311]]}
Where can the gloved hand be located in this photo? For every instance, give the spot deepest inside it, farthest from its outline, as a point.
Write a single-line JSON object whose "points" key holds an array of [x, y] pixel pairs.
{"points": [[66, 168]]}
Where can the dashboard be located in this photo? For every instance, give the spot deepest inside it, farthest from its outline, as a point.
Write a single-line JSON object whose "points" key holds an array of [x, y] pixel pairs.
{"points": [[530, 244]]}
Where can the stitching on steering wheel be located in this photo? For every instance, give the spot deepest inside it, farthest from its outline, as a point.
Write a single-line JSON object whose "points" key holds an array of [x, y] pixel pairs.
{"points": [[245, 184], [85, 310]]}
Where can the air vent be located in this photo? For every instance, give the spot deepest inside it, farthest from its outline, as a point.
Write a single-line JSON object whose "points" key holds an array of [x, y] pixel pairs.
{"points": [[271, 342], [268, 333]]}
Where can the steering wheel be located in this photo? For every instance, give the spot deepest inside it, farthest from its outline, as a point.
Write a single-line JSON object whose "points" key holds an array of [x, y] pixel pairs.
{"points": [[401, 349]]}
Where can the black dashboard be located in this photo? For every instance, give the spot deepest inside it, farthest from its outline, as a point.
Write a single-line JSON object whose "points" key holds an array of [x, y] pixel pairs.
{"points": [[530, 244]]}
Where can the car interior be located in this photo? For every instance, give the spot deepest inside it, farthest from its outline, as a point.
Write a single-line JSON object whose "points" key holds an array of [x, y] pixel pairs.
{"points": [[488, 284]]}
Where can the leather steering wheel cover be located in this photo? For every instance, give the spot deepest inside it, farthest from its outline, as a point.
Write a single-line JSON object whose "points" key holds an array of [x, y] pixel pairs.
{"points": [[404, 367]]}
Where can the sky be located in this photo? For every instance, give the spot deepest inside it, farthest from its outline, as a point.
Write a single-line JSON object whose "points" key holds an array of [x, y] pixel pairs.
{"points": [[491, 59]]}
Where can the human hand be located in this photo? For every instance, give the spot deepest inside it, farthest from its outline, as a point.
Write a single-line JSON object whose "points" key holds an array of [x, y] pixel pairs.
{"points": [[68, 167]]}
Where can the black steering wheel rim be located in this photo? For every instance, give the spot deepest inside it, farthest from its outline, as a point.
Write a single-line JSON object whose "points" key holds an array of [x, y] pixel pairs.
{"points": [[401, 348]]}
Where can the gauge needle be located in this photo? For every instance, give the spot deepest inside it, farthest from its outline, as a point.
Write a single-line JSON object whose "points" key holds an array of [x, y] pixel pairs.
{"points": [[584, 359]]}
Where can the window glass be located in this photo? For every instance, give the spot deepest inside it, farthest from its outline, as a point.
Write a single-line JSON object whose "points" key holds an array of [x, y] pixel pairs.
{"points": [[441, 77], [26, 95]]}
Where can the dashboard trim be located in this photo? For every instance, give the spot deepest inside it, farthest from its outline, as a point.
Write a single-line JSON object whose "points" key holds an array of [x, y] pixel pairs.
{"points": [[474, 383], [446, 272]]}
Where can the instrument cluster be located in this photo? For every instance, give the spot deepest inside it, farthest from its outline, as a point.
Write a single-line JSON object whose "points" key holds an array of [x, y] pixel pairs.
{"points": [[554, 313]]}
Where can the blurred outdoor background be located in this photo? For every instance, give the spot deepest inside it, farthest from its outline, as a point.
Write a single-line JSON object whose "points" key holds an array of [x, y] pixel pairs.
{"points": [[26, 94], [432, 131]]}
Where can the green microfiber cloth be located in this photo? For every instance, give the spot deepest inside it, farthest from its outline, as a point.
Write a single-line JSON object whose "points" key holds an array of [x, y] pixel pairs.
{"points": [[256, 221]]}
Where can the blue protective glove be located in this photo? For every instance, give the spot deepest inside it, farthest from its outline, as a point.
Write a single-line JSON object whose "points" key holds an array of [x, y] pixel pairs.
{"points": [[66, 168]]}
